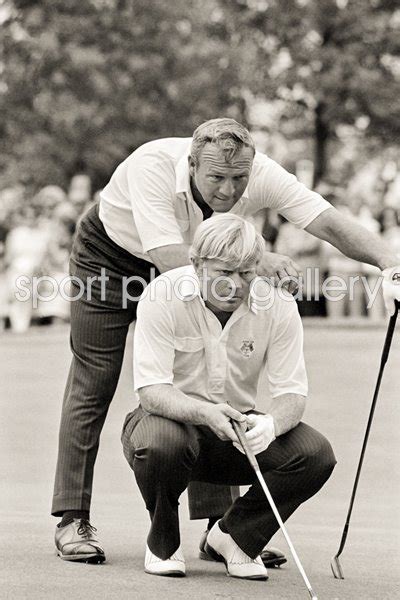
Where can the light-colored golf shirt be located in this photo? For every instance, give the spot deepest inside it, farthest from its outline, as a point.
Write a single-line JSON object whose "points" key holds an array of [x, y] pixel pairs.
{"points": [[179, 341], [148, 202]]}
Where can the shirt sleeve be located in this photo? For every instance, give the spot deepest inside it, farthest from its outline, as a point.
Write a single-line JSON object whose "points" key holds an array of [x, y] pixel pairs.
{"points": [[286, 371], [151, 184], [153, 343], [281, 191]]}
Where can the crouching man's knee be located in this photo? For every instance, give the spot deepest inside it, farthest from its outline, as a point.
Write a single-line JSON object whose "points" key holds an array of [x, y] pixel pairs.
{"points": [[160, 448], [320, 461], [325, 458]]}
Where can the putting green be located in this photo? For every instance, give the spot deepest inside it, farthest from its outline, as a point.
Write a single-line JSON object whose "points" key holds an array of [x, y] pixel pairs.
{"points": [[342, 366]]}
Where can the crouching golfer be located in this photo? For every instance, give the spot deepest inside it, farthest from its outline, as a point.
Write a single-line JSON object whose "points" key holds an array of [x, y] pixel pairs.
{"points": [[209, 338]]}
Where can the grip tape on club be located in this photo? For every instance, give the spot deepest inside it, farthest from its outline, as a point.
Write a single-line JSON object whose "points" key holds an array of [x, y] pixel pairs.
{"points": [[242, 439]]}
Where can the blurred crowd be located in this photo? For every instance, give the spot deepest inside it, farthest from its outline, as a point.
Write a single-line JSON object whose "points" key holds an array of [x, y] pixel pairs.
{"points": [[359, 292], [36, 236]]}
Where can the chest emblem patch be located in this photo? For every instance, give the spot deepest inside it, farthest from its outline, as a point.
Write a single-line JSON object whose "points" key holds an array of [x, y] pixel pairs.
{"points": [[247, 348]]}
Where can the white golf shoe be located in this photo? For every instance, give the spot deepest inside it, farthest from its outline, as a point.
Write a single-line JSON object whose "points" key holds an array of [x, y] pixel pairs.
{"points": [[237, 563], [174, 566]]}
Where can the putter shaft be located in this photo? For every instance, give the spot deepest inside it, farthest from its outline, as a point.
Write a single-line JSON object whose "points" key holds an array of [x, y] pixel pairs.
{"points": [[253, 461], [335, 564]]}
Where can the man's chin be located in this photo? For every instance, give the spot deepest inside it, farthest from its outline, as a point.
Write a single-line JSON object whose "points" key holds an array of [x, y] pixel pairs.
{"points": [[229, 305], [220, 206]]}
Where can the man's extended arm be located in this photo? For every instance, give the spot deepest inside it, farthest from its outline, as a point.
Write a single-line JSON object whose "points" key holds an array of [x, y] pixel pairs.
{"points": [[170, 257], [165, 400], [352, 239]]}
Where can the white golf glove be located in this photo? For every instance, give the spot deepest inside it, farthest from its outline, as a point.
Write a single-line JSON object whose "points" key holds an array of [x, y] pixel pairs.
{"points": [[391, 287], [260, 433]]}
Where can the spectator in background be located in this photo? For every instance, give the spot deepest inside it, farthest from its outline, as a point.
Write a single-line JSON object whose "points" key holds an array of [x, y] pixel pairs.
{"points": [[269, 227], [79, 193], [374, 302], [390, 227], [348, 301], [36, 237], [55, 266], [9, 201], [306, 250], [56, 217], [25, 249]]}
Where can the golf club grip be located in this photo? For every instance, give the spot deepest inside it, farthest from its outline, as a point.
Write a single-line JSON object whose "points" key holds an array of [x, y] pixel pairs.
{"points": [[242, 439]]}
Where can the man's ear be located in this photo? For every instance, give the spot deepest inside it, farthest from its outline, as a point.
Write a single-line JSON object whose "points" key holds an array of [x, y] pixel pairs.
{"points": [[192, 166], [197, 264]]}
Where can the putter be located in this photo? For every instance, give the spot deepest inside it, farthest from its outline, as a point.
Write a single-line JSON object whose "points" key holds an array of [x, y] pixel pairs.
{"points": [[335, 564], [254, 464]]}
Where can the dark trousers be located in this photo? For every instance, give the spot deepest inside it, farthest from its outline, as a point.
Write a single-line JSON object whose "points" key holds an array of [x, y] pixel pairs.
{"points": [[99, 326], [166, 455]]}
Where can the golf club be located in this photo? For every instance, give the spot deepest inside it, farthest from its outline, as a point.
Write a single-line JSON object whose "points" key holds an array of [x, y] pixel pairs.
{"points": [[254, 464], [335, 564]]}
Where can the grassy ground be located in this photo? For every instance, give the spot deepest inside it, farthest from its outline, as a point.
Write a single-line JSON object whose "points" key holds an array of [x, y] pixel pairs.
{"points": [[342, 366]]}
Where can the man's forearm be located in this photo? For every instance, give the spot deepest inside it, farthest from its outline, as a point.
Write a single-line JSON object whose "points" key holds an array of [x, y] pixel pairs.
{"points": [[287, 411], [170, 257], [167, 401], [352, 239]]}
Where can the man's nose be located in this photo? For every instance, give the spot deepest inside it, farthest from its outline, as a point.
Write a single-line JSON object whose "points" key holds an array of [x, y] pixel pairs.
{"points": [[227, 188], [237, 280]]}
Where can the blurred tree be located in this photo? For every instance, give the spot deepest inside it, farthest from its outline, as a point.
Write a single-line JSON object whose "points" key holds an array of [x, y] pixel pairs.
{"points": [[84, 82], [325, 64]]}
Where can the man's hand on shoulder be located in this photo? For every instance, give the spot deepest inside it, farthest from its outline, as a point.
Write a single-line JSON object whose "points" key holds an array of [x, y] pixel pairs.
{"points": [[280, 268]]}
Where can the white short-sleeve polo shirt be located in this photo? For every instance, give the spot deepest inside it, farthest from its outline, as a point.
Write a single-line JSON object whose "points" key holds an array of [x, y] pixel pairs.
{"points": [[179, 341], [148, 202]]}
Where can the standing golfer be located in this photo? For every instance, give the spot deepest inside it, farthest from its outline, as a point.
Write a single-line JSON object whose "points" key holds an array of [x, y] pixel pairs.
{"points": [[147, 216], [204, 339]]}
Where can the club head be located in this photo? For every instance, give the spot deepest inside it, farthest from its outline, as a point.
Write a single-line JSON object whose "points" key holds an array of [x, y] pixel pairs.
{"points": [[336, 568]]}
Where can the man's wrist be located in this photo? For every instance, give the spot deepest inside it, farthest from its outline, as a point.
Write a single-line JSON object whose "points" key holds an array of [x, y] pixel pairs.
{"points": [[204, 414], [271, 420]]}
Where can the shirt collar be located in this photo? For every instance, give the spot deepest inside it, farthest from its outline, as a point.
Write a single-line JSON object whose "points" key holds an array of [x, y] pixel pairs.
{"points": [[182, 173], [245, 195]]}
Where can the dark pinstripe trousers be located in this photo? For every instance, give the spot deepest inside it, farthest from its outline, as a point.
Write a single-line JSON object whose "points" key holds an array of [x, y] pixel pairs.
{"points": [[99, 326], [165, 455]]}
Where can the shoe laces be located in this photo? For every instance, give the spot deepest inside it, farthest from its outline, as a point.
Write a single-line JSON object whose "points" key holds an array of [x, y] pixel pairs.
{"points": [[240, 558], [85, 529]]}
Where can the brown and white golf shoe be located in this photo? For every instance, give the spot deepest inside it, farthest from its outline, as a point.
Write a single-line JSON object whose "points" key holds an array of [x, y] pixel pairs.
{"points": [[77, 541]]}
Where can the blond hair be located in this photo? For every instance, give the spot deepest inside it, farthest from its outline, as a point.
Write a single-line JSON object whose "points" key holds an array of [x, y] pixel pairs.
{"points": [[228, 238], [229, 135]]}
